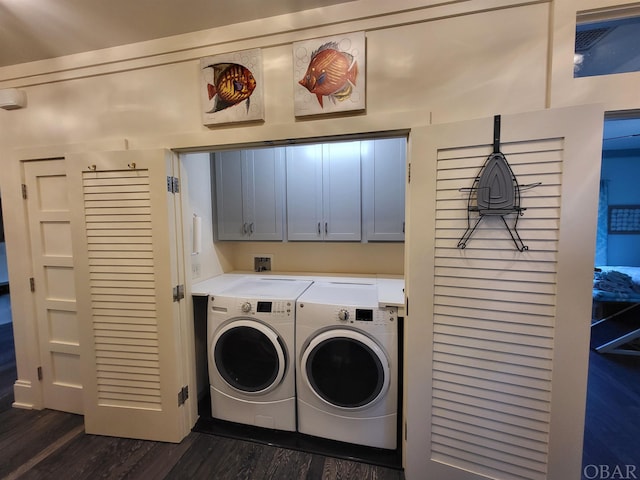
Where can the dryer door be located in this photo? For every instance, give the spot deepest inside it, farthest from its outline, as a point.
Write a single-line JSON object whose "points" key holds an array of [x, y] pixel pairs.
{"points": [[345, 369], [249, 356]]}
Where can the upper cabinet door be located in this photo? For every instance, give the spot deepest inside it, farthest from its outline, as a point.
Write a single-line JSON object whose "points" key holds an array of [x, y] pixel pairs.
{"points": [[383, 189], [323, 192], [229, 195], [264, 201], [249, 194], [341, 191], [304, 192]]}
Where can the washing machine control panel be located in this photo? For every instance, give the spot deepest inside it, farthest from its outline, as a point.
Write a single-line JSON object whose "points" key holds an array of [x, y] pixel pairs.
{"points": [[252, 306], [369, 316]]}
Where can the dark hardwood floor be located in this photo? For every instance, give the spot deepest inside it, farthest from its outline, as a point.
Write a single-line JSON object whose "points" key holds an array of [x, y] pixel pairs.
{"points": [[48, 445], [612, 430]]}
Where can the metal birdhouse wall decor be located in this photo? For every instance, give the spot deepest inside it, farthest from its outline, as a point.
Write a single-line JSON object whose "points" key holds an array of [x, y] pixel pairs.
{"points": [[495, 192]]}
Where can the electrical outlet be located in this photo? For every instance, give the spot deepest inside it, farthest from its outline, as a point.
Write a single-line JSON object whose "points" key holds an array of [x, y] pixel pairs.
{"points": [[262, 263], [196, 270]]}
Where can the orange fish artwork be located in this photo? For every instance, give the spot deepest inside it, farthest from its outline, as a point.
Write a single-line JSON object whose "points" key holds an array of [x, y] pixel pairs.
{"points": [[232, 84], [331, 73]]}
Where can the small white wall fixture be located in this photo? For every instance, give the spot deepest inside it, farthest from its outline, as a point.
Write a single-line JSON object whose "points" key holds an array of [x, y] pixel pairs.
{"points": [[12, 99]]}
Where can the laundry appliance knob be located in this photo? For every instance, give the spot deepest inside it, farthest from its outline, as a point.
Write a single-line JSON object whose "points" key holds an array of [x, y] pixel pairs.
{"points": [[246, 307], [343, 315]]}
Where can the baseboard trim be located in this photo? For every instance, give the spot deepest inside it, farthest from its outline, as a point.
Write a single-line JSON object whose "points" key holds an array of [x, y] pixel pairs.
{"points": [[23, 395]]}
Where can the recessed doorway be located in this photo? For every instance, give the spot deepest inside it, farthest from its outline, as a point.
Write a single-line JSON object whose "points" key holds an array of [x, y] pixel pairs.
{"points": [[613, 392]]}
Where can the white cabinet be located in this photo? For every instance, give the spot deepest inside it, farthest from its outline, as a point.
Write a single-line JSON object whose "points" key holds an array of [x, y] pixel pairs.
{"points": [[323, 192], [383, 189], [338, 191], [249, 194]]}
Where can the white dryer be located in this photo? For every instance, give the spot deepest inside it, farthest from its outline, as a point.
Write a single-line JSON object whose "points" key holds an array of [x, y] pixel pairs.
{"points": [[251, 334], [346, 355]]}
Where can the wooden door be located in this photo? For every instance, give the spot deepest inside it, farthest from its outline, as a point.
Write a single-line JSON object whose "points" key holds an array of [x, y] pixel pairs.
{"points": [[125, 222], [497, 340], [53, 284]]}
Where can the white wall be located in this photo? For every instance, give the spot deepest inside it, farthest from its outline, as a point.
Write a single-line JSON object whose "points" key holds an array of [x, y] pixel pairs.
{"points": [[622, 173], [205, 263]]}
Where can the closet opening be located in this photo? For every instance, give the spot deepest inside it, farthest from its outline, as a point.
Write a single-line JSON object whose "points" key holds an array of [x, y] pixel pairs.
{"points": [[311, 206]]}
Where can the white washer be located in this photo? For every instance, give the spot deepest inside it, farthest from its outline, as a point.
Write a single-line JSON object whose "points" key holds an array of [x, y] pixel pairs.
{"points": [[251, 334], [346, 356]]}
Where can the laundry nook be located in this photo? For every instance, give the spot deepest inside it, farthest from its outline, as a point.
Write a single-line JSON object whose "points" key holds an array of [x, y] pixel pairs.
{"points": [[317, 355], [315, 239]]}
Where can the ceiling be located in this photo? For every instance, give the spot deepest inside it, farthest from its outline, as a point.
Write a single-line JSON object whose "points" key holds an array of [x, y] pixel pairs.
{"points": [[33, 30]]}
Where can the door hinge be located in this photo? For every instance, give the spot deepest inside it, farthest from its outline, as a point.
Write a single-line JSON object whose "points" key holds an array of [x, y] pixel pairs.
{"points": [[183, 395], [24, 191], [409, 173], [173, 185], [178, 293], [32, 284], [39, 373]]}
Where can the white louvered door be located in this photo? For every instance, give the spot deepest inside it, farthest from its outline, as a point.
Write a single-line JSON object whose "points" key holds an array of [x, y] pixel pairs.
{"points": [[497, 339], [126, 244]]}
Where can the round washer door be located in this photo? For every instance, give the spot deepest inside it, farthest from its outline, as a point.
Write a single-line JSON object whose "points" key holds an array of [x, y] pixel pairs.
{"points": [[249, 356], [345, 369]]}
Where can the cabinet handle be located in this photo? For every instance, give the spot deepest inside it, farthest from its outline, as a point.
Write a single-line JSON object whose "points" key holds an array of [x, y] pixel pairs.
{"points": [[319, 232], [244, 228], [402, 227], [251, 228], [326, 228]]}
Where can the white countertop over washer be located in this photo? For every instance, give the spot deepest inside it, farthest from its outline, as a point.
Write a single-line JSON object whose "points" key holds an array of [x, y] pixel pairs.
{"points": [[215, 284], [342, 293], [390, 289], [267, 287]]}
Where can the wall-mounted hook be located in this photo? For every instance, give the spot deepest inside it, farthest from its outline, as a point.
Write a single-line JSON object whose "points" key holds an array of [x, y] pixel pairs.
{"points": [[132, 165], [92, 168]]}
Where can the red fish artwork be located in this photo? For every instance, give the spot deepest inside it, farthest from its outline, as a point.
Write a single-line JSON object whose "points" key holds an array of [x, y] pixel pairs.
{"points": [[232, 84], [331, 73]]}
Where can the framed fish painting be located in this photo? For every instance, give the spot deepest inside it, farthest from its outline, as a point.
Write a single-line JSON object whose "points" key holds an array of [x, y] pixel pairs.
{"points": [[231, 87], [329, 74]]}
